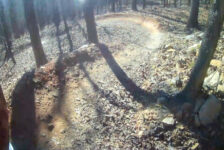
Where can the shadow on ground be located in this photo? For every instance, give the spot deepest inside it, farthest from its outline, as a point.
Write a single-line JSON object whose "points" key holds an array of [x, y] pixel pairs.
{"points": [[23, 121]]}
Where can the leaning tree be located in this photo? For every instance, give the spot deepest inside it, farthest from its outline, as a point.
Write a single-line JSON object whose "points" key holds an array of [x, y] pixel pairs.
{"points": [[193, 19], [34, 33], [206, 53], [90, 21]]}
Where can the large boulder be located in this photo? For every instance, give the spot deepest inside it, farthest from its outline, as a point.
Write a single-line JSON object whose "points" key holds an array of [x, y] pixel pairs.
{"points": [[211, 82], [209, 111]]}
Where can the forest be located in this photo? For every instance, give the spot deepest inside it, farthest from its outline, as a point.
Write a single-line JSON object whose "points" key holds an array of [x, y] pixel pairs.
{"points": [[111, 75]]}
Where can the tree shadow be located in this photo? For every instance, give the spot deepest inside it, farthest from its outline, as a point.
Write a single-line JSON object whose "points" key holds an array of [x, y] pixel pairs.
{"points": [[67, 32], [84, 34], [23, 120], [128, 84], [156, 13], [94, 85], [199, 133], [59, 70], [58, 39]]}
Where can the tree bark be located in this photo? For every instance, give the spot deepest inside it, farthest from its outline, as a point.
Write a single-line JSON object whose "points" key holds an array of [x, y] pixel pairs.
{"points": [[143, 4], [6, 34], [4, 124], [90, 21], [34, 33], [193, 19], [113, 6], [134, 5], [189, 3], [207, 51], [64, 18], [13, 19], [175, 3]]}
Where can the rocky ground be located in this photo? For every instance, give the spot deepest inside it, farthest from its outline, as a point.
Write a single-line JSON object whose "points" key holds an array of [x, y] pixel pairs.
{"points": [[106, 97]]}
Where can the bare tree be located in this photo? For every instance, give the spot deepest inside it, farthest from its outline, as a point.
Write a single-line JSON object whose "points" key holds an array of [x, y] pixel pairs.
{"points": [[64, 18], [56, 20], [206, 53], [175, 3], [90, 21], [7, 35], [193, 19], [134, 5], [34, 33], [113, 5], [4, 126], [13, 18], [143, 4]]}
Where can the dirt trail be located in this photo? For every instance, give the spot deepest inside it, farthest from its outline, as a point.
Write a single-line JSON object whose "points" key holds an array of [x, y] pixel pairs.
{"points": [[78, 122], [94, 96]]}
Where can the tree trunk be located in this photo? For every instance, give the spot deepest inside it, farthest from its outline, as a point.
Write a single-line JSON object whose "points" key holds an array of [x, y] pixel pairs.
{"points": [[175, 3], [206, 52], [134, 5], [90, 21], [6, 34], [120, 4], [64, 17], [4, 124], [189, 2], [144, 4], [56, 20], [193, 19], [34, 33], [13, 19], [41, 9], [113, 6]]}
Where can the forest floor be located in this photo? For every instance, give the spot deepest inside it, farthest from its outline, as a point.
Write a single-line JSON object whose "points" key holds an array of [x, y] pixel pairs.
{"points": [[105, 97]]}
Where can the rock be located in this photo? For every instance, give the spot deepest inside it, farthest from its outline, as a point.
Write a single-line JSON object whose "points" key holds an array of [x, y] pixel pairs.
{"points": [[209, 111], [223, 59], [199, 102], [195, 146], [36, 80], [194, 49], [162, 100], [216, 63], [221, 80], [140, 134], [200, 36], [190, 37], [180, 126], [220, 89], [169, 121], [212, 81], [171, 50], [168, 46]]}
